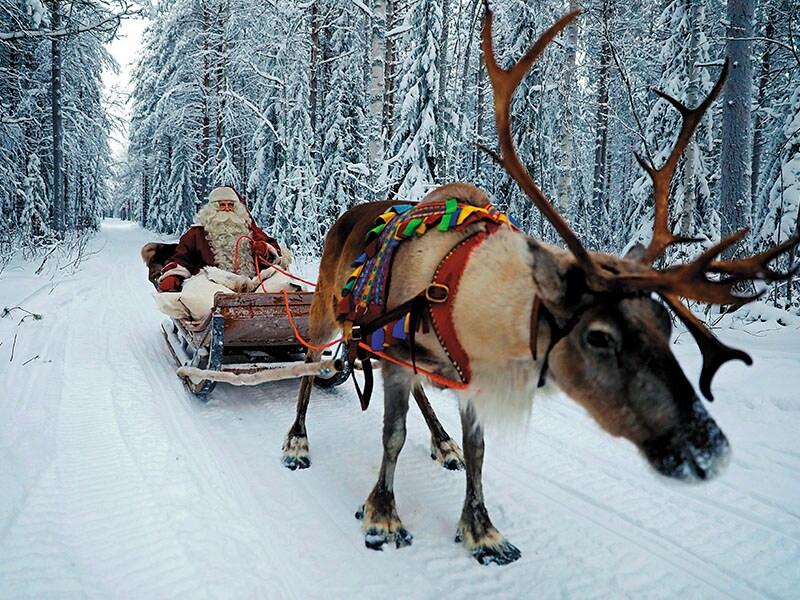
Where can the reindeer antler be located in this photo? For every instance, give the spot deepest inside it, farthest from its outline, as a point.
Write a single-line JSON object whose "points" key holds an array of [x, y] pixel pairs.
{"points": [[504, 83], [715, 353], [662, 235], [690, 280]]}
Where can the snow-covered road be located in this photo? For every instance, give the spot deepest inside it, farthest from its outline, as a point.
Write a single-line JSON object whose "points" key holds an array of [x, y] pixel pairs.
{"points": [[115, 482]]}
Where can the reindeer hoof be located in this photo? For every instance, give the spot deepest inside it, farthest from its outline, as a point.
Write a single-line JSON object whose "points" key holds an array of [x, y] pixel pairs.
{"points": [[489, 548], [376, 537], [501, 554], [296, 462], [448, 454], [295, 453], [382, 529], [453, 464]]}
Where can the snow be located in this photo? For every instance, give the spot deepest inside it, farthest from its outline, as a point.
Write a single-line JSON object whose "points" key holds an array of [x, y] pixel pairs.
{"points": [[115, 482], [35, 10]]}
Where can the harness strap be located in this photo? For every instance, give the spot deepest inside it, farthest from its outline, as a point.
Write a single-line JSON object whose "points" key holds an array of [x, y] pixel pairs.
{"points": [[555, 335], [438, 297], [365, 395], [361, 331], [445, 284], [537, 303]]}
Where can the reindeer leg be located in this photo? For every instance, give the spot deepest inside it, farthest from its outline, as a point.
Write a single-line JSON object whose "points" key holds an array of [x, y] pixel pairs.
{"points": [[295, 446], [381, 523], [475, 530], [443, 448]]}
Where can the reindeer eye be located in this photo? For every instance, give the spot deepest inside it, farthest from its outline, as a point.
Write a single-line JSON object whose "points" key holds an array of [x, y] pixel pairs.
{"points": [[600, 339]]}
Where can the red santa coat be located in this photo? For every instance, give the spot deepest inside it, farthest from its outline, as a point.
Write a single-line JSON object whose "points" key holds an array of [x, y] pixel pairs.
{"points": [[194, 251]]}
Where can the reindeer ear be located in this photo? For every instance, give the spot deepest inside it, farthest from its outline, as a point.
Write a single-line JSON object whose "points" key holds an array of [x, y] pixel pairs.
{"points": [[636, 252], [559, 281]]}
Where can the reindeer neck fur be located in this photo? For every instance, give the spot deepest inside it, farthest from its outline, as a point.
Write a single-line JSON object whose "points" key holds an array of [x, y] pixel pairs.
{"points": [[493, 316], [492, 313]]}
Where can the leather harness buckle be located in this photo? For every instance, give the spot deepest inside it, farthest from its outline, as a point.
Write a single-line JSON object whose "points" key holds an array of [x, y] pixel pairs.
{"points": [[437, 293], [355, 333]]}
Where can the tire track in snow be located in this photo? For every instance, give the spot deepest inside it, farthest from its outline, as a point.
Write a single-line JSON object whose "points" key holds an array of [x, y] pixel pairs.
{"points": [[90, 489], [204, 486], [733, 495], [346, 452], [303, 512], [112, 480], [616, 525], [603, 484]]}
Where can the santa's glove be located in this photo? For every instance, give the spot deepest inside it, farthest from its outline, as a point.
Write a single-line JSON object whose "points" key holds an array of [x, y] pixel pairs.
{"points": [[266, 251], [170, 283], [175, 268]]}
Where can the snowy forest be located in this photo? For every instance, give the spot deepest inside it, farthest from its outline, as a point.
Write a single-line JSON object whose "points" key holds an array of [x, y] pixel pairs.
{"points": [[309, 108]]}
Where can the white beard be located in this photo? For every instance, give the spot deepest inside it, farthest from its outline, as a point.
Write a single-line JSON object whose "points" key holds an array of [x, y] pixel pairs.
{"points": [[223, 229]]}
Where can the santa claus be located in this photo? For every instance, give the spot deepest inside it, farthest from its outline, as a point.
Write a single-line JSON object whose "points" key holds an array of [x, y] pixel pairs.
{"points": [[206, 260], [222, 224]]}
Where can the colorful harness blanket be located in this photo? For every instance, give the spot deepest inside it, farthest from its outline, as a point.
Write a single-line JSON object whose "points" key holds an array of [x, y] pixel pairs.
{"points": [[364, 295]]}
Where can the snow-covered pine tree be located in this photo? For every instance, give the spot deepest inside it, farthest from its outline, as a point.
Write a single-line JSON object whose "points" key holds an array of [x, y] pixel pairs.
{"points": [[35, 219], [411, 164], [467, 92], [777, 81], [183, 198], [782, 216], [283, 182], [344, 155], [24, 115], [170, 115], [87, 155], [160, 216]]}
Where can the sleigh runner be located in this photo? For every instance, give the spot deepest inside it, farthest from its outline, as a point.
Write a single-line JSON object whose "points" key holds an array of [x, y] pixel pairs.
{"points": [[247, 339]]}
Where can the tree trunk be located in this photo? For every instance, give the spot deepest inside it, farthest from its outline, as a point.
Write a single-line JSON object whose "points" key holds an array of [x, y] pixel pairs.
{"points": [[205, 92], [600, 187], [388, 79], [221, 57], [20, 63], [737, 130], [57, 195], [566, 141], [686, 224], [313, 79], [481, 81], [763, 81], [442, 115], [145, 196]]}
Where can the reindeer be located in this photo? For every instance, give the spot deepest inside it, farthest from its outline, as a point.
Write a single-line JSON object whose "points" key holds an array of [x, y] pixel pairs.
{"points": [[525, 312]]}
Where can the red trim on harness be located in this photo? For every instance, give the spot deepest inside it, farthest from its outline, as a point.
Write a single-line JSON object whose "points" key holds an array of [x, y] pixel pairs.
{"points": [[448, 276]]}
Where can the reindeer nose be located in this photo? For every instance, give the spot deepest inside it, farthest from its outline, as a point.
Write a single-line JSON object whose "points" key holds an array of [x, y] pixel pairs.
{"points": [[697, 451]]}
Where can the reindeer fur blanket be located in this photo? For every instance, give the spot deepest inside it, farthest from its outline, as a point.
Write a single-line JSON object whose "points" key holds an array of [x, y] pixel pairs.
{"points": [[196, 299]]}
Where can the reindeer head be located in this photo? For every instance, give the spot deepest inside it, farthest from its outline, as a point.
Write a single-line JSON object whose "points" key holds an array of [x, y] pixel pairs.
{"points": [[609, 325]]}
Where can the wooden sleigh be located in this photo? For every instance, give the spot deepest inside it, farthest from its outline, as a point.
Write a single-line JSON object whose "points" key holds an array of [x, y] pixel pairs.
{"points": [[246, 339]]}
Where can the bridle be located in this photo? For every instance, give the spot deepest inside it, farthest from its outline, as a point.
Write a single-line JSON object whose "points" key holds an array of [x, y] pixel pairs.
{"points": [[559, 332]]}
